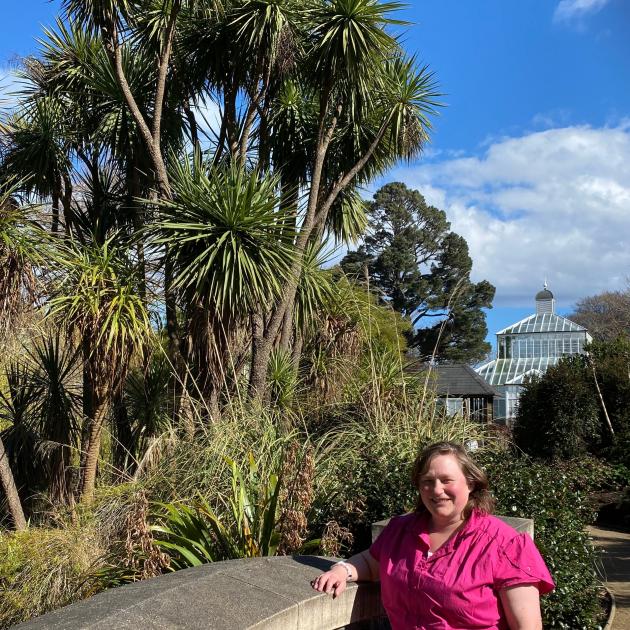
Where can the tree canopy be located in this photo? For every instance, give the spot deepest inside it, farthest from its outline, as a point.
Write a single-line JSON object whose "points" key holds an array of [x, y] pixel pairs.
{"points": [[562, 415], [145, 212], [422, 269], [605, 315]]}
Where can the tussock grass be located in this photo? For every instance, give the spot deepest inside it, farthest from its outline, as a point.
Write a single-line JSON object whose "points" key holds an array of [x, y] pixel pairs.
{"points": [[44, 568]]}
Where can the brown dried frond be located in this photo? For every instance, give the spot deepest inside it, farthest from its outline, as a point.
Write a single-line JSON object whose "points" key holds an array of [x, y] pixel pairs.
{"points": [[296, 497], [340, 337], [286, 51], [142, 555], [335, 538], [336, 344]]}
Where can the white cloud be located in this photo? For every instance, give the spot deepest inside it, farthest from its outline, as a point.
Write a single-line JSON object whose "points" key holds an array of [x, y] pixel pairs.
{"points": [[568, 10], [553, 204]]}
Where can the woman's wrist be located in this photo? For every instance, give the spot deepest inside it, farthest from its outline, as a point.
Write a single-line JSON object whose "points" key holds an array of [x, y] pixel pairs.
{"points": [[347, 567]]}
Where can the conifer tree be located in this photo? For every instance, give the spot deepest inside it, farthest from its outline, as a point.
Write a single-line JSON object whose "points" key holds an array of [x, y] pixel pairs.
{"points": [[422, 269]]}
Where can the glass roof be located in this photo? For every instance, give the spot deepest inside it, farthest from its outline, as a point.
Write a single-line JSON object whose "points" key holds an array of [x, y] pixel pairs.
{"points": [[542, 322], [514, 371]]}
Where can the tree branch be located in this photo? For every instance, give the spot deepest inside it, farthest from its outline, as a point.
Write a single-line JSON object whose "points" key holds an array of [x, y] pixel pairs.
{"points": [[251, 114], [160, 87], [113, 46], [344, 180]]}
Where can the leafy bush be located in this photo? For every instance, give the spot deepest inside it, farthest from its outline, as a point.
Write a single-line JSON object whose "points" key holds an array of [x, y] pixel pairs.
{"points": [[363, 469], [558, 414], [561, 416], [528, 489]]}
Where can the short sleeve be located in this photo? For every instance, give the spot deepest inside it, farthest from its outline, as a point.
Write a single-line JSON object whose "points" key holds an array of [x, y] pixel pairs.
{"points": [[376, 547], [519, 563]]}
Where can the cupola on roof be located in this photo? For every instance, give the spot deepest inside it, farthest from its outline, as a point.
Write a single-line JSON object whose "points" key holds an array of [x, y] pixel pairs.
{"points": [[545, 294], [544, 301]]}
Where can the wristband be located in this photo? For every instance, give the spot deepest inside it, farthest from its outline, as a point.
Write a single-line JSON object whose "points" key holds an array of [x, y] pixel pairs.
{"points": [[346, 566]]}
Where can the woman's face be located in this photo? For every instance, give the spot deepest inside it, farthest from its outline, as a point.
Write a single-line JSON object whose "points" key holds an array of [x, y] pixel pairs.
{"points": [[444, 489]]}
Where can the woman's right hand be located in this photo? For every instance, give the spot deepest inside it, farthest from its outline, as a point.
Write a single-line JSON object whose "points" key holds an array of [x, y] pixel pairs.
{"points": [[332, 582]]}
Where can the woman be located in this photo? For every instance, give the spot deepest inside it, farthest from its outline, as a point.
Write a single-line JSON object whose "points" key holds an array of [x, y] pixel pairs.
{"points": [[450, 564]]}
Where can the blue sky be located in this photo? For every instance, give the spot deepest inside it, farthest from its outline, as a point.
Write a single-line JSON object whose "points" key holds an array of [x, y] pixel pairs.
{"points": [[530, 158]]}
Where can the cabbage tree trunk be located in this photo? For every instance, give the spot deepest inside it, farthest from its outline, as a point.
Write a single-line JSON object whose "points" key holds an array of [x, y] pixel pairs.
{"points": [[92, 450], [10, 490]]}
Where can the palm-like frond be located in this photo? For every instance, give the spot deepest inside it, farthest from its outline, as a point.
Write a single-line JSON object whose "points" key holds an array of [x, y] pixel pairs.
{"points": [[54, 412], [56, 375], [203, 47], [20, 252], [20, 440], [97, 294], [412, 93], [230, 244], [80, 71], [404, 98], [102, 208], [146, 396], [36, 145], [68, 52], [350, 40], [282, 379], [260, 26], [17, 398], [115, 124], [347, 219], [98, 14], [293, 121], [316, 290]]}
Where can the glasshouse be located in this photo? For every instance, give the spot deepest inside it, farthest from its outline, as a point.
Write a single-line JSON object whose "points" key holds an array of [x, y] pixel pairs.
{"points": [[527, 348]]}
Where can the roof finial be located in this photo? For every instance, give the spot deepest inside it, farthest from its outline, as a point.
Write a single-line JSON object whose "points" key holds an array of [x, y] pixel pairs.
{"points": [[545, 284]]}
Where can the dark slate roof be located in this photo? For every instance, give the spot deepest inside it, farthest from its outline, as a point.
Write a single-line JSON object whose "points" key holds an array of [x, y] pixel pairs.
{"points": [[458, 380]]}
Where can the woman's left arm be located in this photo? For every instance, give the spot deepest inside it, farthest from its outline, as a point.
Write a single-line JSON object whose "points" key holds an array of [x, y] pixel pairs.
{"points": [[522, 607]]}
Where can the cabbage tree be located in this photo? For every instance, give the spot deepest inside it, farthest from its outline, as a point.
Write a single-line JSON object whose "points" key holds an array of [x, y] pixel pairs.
{"points": [[96, 296], [231, 246], [373, 105]]}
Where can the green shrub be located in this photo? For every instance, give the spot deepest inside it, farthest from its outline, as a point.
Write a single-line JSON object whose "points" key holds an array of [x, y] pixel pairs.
{"points": [[558, 414], [363, 469], [252, 520], [547, 494]]}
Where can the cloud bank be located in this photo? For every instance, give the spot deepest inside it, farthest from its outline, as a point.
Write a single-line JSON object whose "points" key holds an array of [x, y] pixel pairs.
{"points": [[553, 204]]}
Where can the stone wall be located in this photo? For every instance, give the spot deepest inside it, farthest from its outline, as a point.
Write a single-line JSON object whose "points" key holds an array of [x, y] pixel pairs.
{"points": [[262, 593]]}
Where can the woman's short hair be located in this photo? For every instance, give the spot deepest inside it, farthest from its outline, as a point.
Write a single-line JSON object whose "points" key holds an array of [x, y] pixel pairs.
{"points": [[480, 498]]}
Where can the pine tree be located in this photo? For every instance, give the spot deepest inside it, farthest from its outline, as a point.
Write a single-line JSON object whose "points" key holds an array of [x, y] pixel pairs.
{"points": [[422, 269]]}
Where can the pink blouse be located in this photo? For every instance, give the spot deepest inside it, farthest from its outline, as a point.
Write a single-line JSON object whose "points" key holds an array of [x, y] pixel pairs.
{"points": [[457, 587]]}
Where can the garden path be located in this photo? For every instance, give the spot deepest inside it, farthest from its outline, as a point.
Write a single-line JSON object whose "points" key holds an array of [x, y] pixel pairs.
{"points": [[616, 565]]}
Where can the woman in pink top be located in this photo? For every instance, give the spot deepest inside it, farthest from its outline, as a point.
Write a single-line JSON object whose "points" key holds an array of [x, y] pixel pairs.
{"points": [[450, 565]]}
